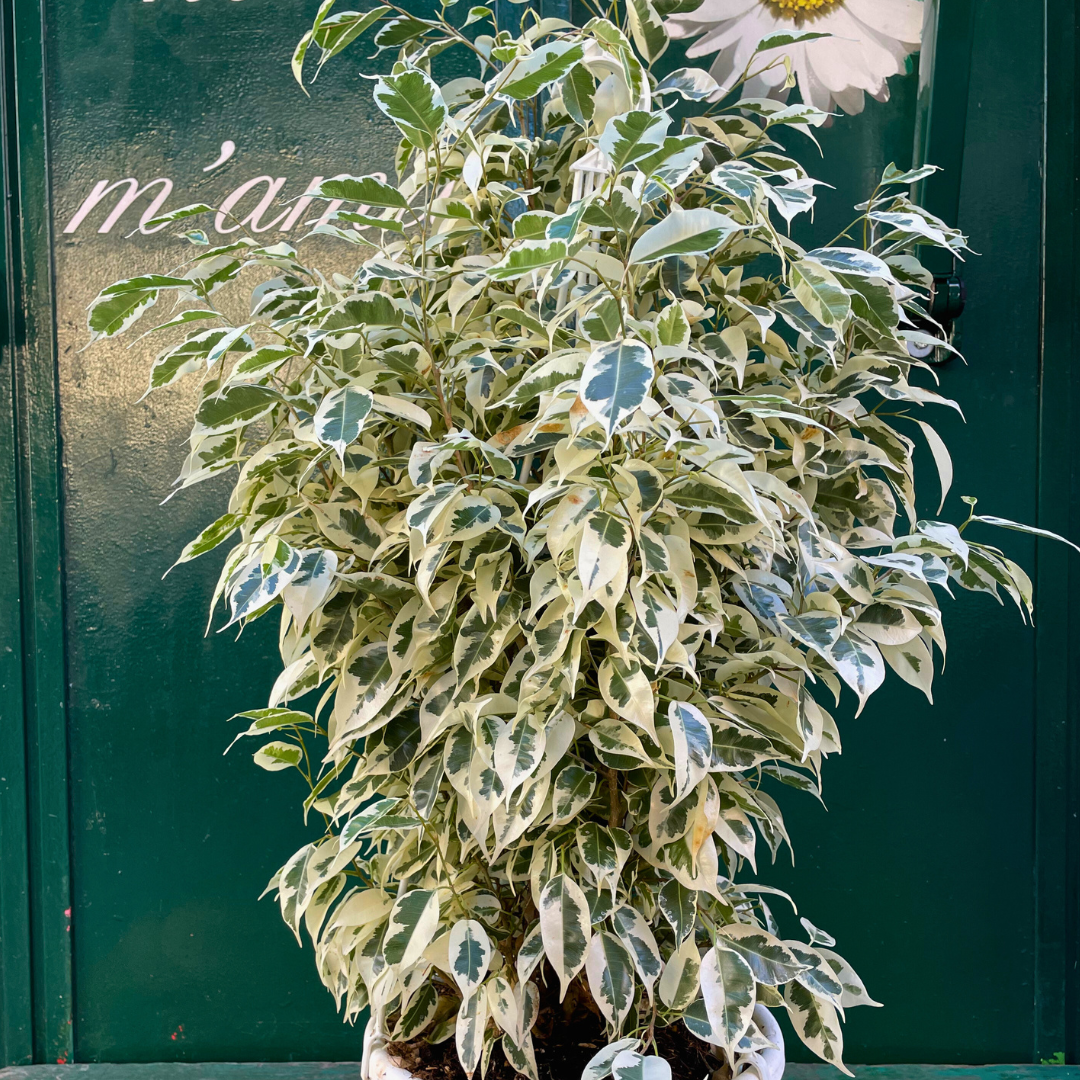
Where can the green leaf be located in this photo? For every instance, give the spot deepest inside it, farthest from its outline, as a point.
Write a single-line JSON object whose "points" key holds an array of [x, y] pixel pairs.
{"points": [[470, 955], [415, 105], [610, 972], [366, 190], [578, 92], [565, 928], [727, 985], [340, 417], [684, 232], [615, 381], [781, 38], [549, 63]]}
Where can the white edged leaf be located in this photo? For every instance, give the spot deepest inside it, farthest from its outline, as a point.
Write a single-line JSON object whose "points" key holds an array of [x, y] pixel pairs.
{"points": [[610, 971], [692, 737], [470, 954], [565, 927], [728, 987], [684, 232], [340, 417], [414, 919], [616, 381], [816, 1022]]}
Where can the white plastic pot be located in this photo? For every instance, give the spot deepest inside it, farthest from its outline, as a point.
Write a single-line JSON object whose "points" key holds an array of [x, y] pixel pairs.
{"points": [[769, 1063]]}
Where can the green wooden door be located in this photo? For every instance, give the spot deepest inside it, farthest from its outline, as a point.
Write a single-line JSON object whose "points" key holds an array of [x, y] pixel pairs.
{"points": [[132, 851]]}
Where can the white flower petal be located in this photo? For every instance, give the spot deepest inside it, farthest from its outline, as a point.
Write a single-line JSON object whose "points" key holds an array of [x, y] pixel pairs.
{"points": [[869, 42], [898, 19]]}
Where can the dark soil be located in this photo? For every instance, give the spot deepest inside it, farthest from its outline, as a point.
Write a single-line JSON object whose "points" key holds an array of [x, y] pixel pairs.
{"points": [[565, 1037]]}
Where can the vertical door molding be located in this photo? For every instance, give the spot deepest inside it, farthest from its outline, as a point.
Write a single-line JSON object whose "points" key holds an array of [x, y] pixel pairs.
{"points": [[1057, 572], [40, 537], [16, 1027]]}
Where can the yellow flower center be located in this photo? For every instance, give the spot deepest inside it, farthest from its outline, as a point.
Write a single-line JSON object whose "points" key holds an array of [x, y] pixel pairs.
{"points": [[799, 10]]}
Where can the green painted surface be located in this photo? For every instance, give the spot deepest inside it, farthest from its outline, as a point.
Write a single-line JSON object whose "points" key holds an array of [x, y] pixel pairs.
{"points": [[170, 842], [922, 866]]}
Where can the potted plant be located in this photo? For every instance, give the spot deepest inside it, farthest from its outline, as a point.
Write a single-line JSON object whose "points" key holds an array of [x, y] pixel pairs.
{"points": [[579, 497]]}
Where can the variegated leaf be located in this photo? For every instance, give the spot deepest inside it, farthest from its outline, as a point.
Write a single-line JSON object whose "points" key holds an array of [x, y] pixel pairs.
{"points": [[692, 737], [413, 922], [727, 985], [574, 787], [627, 690], [629, 1065], [480, 639], [340, 417], [680, 980], [610, 971], [470, 954], [634, 932], [472, 1019], [599, 1065], [771, 961], [565, 927], [615, 381], [816, 1023]]}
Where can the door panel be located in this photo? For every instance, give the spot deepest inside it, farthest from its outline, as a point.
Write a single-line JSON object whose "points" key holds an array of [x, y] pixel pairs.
{"points": [[172, 843], [923, 864]]}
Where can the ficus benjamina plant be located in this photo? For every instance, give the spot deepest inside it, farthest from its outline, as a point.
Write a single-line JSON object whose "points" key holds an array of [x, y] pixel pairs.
{"points": [[579, 499]]}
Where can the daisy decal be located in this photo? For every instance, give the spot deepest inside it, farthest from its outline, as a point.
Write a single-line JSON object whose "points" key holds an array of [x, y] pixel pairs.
{"points": [[868, 41]]}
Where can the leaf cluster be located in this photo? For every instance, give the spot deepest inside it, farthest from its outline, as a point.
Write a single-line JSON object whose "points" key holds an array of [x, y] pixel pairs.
{"points": [[579, 500]]}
